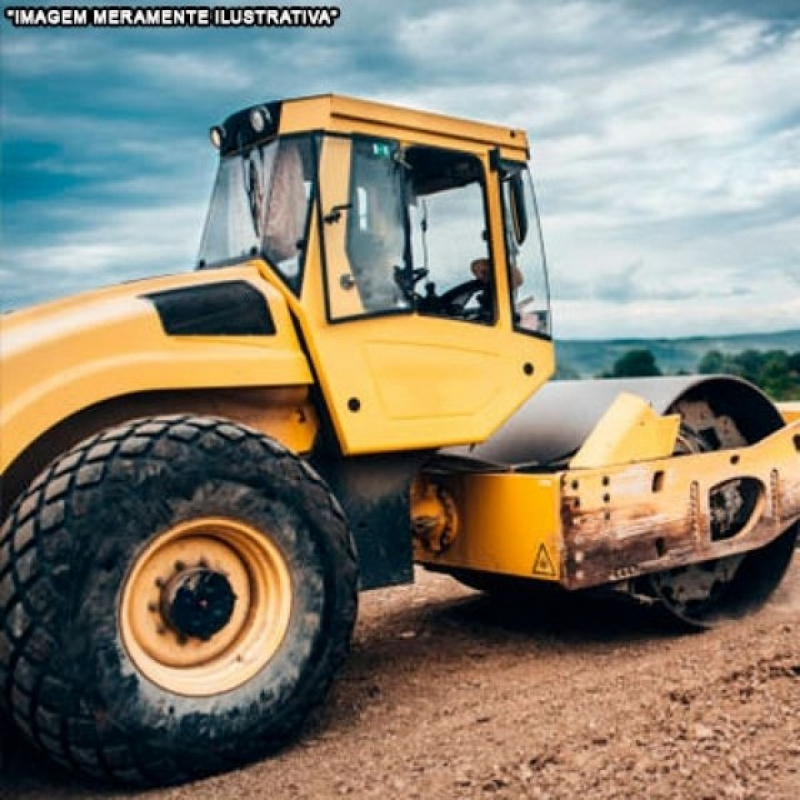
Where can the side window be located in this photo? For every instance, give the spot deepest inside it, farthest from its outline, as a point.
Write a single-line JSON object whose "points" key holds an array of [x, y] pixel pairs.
{"points": [[405, 231], [449, 235], [376, 241], [286, 207], [526, 261]]}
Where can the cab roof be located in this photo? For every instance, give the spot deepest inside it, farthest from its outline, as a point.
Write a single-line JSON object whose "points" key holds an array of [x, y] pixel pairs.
{"points": [[350, 115]]}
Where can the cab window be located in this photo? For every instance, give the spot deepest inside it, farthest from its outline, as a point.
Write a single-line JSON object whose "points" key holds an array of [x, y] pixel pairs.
{"points": [[449, 237], [376, 241], [260, 206], [527, 269], [416, 234]]}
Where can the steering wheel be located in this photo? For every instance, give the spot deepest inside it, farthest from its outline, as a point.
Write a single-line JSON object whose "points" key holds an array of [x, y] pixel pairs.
{"points": [[407, 278], [454, 301]]}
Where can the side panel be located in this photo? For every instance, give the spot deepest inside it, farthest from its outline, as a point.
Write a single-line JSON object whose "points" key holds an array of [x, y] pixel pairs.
{"points": [[215, 329], [790, 411], [625, 521], [508, 523], [391, 385]]}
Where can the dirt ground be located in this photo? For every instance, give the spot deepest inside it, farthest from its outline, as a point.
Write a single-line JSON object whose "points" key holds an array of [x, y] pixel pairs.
{"points": [[450, 695]]}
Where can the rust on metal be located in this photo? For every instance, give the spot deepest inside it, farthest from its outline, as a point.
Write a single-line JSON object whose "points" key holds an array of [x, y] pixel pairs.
{"points": [[622, 522], [434, 518]]}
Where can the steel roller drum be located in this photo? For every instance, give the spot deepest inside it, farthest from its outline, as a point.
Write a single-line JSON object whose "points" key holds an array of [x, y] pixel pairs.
{"points": [[554, 423]]}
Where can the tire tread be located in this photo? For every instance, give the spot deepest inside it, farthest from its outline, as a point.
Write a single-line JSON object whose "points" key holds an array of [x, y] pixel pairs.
{"points": [[35, 554]]}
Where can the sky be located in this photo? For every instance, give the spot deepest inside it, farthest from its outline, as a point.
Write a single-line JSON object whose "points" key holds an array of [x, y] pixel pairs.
{"points": [[665, 142]]}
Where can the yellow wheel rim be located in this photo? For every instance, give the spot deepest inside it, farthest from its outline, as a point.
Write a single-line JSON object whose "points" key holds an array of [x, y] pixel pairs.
{"points": [[205, 606]]}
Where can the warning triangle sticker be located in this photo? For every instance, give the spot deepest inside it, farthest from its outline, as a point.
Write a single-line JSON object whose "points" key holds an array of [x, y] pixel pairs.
{"points": [[543, 564]]}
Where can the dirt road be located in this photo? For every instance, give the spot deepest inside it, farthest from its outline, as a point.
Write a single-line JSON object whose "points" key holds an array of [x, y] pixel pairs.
{"points": [[450, 695]]}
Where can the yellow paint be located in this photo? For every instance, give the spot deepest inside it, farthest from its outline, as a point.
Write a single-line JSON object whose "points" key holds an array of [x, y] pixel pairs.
{"points": [[352, 115], [335, 182], [505, 519], [629, 431], [403, 382], [790, 411], [670, 497], [65, 356], [535, 525], [398, 383], [258, 575]]}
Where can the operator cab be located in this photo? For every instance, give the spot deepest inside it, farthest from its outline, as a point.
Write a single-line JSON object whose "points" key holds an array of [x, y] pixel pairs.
{"points": [[416, 224], [409, 242]]}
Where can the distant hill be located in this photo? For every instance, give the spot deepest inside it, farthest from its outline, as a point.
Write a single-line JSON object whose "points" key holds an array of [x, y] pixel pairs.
{"points": [[587, 358]]}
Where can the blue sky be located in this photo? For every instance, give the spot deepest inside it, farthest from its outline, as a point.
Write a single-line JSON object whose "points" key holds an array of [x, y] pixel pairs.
{"points": [[666, 143]]}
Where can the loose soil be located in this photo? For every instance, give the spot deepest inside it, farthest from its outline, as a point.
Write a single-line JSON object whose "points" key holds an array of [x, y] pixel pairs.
{"points": [[450, 694]]}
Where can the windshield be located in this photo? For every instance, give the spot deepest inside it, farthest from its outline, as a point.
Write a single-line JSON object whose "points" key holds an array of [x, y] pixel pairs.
{"points": [[260, 206]]}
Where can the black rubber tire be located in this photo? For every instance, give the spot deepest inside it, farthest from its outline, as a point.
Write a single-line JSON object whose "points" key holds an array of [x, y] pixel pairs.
{"points": [[66, 680]]}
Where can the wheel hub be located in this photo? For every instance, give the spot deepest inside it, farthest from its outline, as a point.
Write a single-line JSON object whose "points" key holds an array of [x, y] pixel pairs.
{"points": [[206, 605], [198, 602]]}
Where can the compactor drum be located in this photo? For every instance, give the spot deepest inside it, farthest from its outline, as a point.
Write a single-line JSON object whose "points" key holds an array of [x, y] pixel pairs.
{"points": [[719, 579], [201, 471]]}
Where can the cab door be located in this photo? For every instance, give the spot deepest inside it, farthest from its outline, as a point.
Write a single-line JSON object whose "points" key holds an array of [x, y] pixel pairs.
{"points": [[412, 343]]}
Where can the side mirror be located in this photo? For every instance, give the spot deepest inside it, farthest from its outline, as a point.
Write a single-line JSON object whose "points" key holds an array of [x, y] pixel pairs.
{"points": [[519, 212]]}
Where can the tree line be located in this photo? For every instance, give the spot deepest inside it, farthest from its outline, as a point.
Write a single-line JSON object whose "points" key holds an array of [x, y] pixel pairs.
{"points": [[775, 371]]}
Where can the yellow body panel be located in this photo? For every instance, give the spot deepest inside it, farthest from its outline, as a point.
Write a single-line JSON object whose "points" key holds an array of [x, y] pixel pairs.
{"points": [[62, 357], [403, 382], [628, 432], [790, 411], [391, 386], [508, 523]]}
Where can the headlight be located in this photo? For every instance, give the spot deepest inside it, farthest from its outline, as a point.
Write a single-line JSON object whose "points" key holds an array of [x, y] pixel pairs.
{"points": [[259, 117], [217, 136]]}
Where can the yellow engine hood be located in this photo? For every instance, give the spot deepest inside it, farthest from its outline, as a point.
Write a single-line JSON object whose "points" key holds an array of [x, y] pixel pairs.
{"points": [[173, 332]]}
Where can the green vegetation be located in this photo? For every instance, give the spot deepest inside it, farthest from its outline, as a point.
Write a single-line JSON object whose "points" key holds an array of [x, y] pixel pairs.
{"points": [[771, 361], [775, 371], [589, 358], [634, 364]]}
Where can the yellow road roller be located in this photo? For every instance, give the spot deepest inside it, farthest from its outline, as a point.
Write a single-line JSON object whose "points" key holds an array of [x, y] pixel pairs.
{"points": [[201, 471]]}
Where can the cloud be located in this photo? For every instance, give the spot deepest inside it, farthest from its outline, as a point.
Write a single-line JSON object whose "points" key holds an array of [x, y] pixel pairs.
{"points": [[121, 244], [665, 140]]}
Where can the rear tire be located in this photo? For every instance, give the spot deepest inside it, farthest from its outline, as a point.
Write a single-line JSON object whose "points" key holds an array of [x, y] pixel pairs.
{"points": [[176, 595]]}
